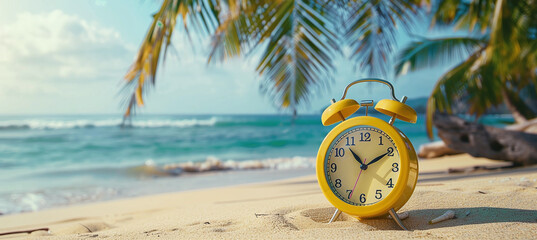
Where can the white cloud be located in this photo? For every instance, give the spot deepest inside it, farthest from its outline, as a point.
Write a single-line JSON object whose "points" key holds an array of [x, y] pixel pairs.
{"points": [[59, 46], [60, 63], [56, 62]]}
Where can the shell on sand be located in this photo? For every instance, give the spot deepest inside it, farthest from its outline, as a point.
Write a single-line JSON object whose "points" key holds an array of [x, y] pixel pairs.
{"points": [[449, 214], [403, 215]]}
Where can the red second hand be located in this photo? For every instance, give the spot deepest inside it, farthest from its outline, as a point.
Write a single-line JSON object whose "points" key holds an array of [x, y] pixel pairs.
{"points": [[359, 174]]}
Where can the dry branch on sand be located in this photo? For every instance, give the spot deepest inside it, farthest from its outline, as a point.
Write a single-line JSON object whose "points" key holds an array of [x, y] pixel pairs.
{"points": [[485, 141]]}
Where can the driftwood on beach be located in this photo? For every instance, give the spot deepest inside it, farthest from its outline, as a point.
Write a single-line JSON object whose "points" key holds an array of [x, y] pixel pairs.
{"points": [[485, 141]]}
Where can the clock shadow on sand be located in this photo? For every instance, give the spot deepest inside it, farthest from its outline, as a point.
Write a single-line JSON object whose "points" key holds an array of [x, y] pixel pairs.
{"points": [[418, 219]]}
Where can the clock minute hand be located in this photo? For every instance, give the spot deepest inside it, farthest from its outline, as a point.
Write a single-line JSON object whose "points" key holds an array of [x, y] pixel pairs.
{"points": [[356, 157], [377, 159]]}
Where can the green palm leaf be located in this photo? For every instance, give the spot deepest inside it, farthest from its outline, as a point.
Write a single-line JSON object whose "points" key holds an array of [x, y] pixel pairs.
{"points": [[465, 14], [297, 39], [501, 63], [299, 51], [239, 30], [428, 52], [142, 73], [449, 88], [372, 32]]}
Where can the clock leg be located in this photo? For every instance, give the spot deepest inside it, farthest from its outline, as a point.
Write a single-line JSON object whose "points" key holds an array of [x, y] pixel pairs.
{"points": [[396, 219], [335, 216]]}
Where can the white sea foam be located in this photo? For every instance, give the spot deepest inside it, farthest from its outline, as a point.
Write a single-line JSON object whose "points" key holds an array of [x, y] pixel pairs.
{"points": [[83, 123], [175, 123], [215, 164], [34, 201]]}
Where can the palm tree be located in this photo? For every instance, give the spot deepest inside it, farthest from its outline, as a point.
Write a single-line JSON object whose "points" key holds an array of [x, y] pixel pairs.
{"points": [[498, 57], [297, 40]]}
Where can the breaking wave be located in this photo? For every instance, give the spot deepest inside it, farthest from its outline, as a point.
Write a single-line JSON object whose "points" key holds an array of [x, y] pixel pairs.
{"points": [[70, 124], [215, 164]]}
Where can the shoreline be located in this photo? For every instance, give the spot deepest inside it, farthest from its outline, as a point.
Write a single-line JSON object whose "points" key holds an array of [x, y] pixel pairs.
{"points": [[148, 185], [499, 202]]}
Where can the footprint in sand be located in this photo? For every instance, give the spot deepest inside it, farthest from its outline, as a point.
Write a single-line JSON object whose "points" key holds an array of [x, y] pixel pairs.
{"points": [[322, 215], [152, 232], [85, 227], [212, 226]]}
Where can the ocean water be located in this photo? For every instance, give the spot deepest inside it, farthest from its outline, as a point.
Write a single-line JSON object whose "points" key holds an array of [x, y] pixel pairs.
{"points": [[50, 161]]}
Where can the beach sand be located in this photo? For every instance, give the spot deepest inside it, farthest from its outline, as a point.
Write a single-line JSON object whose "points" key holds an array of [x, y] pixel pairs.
{"points": [[499, 204]]}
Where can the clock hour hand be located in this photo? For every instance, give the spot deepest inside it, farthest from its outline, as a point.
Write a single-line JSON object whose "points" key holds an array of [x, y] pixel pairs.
{"points": [[356, 157], [377, 158]]}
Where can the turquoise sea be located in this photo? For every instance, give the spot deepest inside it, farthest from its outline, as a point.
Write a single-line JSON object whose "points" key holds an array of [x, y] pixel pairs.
{"points": [[50, 161]]}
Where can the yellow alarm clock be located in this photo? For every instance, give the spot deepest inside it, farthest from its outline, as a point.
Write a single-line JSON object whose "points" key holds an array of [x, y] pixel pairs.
{"points": [[366, 167]]}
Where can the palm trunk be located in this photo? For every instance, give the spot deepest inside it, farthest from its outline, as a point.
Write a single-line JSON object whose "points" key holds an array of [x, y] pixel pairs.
{"points": [[517, 115]]}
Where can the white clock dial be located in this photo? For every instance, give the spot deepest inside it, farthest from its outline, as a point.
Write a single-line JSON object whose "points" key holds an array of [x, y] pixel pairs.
{"points": [[362, 165]]}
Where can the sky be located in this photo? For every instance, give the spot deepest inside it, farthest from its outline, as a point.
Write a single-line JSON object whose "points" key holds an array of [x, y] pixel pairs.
{"points": [[69, 57]]}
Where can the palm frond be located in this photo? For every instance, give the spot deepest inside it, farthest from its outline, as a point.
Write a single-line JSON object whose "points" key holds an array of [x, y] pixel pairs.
{"points": [[428, 52], [511, 30], [465, 14], [372, 32], [474, 82], [448, 11], [500, 64], [299, 50], [448, 88], [239, 29], [204, 17]]}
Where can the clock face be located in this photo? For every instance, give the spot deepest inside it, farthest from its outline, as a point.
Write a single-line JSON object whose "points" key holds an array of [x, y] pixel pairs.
{"points": [[362, 165]]}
